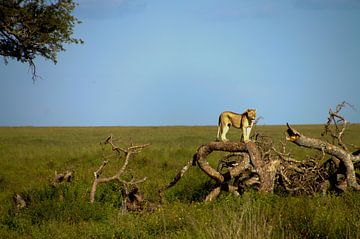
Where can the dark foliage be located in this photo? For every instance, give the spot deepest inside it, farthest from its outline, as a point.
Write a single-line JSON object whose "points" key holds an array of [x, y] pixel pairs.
{"points": [[31, 28]]}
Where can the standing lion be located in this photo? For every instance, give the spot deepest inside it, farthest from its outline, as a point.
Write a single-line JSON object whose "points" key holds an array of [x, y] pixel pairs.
{"points": [[244, 121]]}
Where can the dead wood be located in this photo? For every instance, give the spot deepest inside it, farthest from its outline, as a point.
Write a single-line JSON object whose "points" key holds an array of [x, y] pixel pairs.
{"points": [[63, 177], [130, 190], [244, 166], [19, 201], [178, 176], [258, 164], [345, 157], [204, 150], [336, 124]]}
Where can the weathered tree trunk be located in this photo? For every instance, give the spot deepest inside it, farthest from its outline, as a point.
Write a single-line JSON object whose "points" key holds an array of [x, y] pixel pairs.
{"points": [[345, 157], [205, 150], [266, 170]]}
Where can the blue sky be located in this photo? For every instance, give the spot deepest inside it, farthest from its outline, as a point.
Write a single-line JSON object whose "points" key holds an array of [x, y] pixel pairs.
{"points": [[160, 62]]}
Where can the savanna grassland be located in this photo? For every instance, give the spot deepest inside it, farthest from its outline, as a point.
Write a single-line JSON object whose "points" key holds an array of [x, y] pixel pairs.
{"points": [[29, 156]]}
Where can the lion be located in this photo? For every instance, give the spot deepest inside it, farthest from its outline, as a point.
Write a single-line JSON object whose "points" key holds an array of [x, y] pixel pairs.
{"points": [[244, 121]]}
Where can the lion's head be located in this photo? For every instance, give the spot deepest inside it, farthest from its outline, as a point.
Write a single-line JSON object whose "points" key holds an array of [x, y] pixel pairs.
{"points": [[251, 114]]}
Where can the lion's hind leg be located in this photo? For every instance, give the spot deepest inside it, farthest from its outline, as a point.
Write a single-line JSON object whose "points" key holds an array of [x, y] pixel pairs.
{"points": [[218, 133], [224, 130]]}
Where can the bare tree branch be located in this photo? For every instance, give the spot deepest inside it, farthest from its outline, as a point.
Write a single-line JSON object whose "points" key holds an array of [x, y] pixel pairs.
{"points": [[333, 150], [242, 170], [339, 124], [129, 152]]}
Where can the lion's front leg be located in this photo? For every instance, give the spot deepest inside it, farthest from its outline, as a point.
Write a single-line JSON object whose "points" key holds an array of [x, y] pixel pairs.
{"points": [[246, 132], [245, 136]]}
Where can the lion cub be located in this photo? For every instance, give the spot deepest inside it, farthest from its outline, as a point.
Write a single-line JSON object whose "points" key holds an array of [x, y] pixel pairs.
{"points": [[244, 121]]}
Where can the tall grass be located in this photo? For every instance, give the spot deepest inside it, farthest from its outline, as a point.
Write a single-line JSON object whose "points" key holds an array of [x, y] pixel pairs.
{"points": [[29, 157]]}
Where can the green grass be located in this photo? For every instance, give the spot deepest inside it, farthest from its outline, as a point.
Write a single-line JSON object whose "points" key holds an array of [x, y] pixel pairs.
{"points": [[29, 157]]}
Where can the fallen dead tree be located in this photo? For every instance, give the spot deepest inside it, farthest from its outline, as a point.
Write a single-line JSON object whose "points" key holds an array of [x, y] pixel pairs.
{"points": [[343, 173], [246, 165], [258, 164], [132, 197]]}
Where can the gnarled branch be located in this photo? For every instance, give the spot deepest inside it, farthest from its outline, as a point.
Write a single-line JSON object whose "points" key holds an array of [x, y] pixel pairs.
{"points": [[339, 124], [129, 152], [248, 170], [344, 156]]}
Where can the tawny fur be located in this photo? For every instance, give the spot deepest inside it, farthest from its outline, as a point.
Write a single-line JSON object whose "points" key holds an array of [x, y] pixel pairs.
{"points": [[242, 121]]}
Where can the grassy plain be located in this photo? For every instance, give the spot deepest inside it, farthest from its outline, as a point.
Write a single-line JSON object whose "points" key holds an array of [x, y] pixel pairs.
{"points": [[29, 156]]}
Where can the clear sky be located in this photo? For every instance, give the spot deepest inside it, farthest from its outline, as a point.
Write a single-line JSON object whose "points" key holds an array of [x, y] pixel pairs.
{"points": [[182, 62]]}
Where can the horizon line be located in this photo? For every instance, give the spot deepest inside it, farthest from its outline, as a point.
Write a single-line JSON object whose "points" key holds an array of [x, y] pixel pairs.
{"points": [[197, 125]]}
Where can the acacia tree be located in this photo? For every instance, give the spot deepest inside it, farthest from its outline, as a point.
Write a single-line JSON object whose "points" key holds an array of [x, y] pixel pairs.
{"points": [[31, 28]]}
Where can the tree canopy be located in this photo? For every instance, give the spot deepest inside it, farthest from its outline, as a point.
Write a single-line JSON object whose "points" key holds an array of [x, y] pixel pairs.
{"points": [[31, 28]]}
